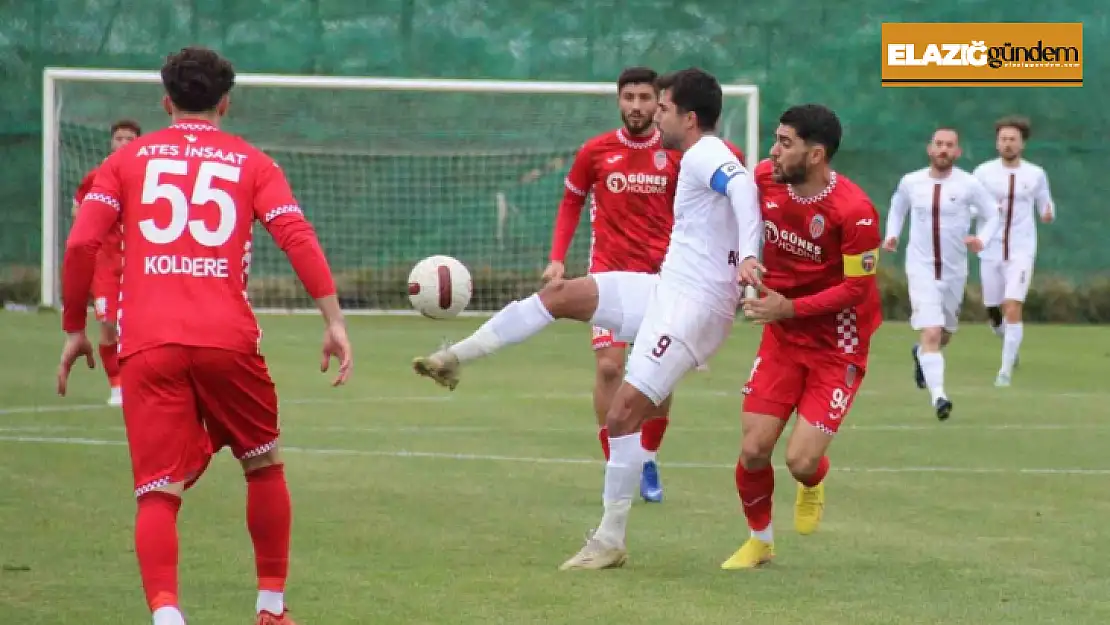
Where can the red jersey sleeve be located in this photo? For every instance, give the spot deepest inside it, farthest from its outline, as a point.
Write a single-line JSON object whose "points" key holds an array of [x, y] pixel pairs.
{"points": [[86, 185], [277, 209], [99, 211], [577, 185], [859, 249], [736, 151]]}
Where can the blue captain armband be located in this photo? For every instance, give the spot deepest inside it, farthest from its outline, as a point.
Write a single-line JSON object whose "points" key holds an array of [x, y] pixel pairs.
{"points": [[725, 173]]}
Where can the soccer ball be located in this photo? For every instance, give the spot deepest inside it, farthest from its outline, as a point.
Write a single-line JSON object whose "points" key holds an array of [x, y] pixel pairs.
{"points": [[440, 287]]}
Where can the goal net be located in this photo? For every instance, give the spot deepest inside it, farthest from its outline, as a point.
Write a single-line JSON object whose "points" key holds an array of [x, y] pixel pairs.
{"points": [[389, 171]]}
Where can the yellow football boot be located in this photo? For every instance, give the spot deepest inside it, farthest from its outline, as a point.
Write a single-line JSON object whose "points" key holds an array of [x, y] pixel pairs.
{"points": [[753, 554], [808, 508]]}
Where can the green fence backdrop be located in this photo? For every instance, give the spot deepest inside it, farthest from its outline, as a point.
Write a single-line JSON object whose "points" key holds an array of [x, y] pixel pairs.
{"points": [[803, 50]]}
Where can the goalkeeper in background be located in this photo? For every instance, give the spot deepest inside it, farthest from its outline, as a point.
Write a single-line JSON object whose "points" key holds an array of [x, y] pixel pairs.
{"points": [[109, 268]]}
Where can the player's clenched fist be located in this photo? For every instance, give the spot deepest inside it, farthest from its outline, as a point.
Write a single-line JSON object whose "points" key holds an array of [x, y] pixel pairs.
{"points": [[76, 345], [891, 244], [338, 346]]}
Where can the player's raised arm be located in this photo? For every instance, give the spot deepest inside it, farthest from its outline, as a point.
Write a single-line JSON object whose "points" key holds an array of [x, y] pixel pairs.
{"points": [[896, 216], [577, 185], [1042, 196], [99, 210], [986, 213], [859, 248]]}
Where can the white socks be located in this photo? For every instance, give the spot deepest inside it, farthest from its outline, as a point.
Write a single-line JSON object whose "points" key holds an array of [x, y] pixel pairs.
{"points": [[270, 601], [1011, 343], [999, 330], [932, 365], [168, 616], [622, 479], [514, 323], [765, 535]]}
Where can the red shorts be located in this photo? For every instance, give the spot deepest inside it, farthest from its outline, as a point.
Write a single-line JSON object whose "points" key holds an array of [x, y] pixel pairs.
{"points": [[185, 403], [105, 293], [820, 385]]}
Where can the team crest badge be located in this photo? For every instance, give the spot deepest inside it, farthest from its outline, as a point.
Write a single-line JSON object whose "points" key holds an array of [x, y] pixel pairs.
{"points": [[816, 226], [868, 261], [660, 160]]}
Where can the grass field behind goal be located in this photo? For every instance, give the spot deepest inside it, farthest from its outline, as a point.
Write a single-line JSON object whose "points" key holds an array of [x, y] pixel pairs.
{"points": [[415, 505]]}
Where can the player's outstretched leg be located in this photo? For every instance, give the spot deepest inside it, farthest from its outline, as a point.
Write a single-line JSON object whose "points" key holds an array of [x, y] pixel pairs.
{"points": [[156, 548], [806, 459], [755, 484], [269, 522], [932, 368], [517, 322]]}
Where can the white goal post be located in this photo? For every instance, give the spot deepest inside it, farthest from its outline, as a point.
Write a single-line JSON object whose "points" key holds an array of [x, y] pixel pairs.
{"points": [[389, 170]]}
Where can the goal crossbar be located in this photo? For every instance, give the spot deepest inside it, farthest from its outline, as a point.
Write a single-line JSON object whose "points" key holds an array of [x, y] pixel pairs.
{"points": [[50, 122]]}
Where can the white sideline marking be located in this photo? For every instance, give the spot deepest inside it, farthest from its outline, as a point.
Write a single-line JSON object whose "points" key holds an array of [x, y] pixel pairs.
{"points": [[453, 397], [96, 442]]}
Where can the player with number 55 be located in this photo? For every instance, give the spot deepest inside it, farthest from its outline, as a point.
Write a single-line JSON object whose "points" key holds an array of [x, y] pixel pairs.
{"points": [[191, 367]]}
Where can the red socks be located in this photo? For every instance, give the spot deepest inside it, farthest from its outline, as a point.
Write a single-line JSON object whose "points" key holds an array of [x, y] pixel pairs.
{"points": [[109, 358], [651, 435], [756, 489], [156, 547], [603, 438], [270, 521], [819, 475]]}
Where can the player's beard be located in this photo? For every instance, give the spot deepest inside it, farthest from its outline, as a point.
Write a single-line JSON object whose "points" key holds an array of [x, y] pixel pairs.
{"points": [[942, 164], [789, 175], [669, 141], [635, 128], [1010, 155]]}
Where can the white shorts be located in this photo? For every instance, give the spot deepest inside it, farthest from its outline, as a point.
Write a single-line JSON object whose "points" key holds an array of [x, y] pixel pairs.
{"points": [[1005, 280], [935, 303], [671, 332]]}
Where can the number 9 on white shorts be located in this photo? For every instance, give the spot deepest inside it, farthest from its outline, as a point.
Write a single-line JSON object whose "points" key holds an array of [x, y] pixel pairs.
{"points": [[678, 333]]}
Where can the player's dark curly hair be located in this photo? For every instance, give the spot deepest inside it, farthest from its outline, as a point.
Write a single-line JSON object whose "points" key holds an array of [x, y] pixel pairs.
{"points": [[694, 91], [1021, 124], [636, 76], [196, 78], [815, 124]]}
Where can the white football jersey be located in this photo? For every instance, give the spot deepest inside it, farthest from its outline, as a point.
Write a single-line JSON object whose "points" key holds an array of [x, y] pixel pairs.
{"points": [[1017, 190], [941, 211], [704, 251]]}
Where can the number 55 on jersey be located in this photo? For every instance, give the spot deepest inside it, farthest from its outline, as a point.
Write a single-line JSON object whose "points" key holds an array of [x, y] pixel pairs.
{"points": [[187, 197]]}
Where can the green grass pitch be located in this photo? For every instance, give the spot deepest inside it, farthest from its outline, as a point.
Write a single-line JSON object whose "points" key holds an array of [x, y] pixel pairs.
{"points": [[418, 506]]}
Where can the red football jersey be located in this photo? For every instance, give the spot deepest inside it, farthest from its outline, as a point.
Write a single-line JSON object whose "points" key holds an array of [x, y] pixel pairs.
{"points": [[817, 243], [187, 198], [631, 183], [111, 252]]}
